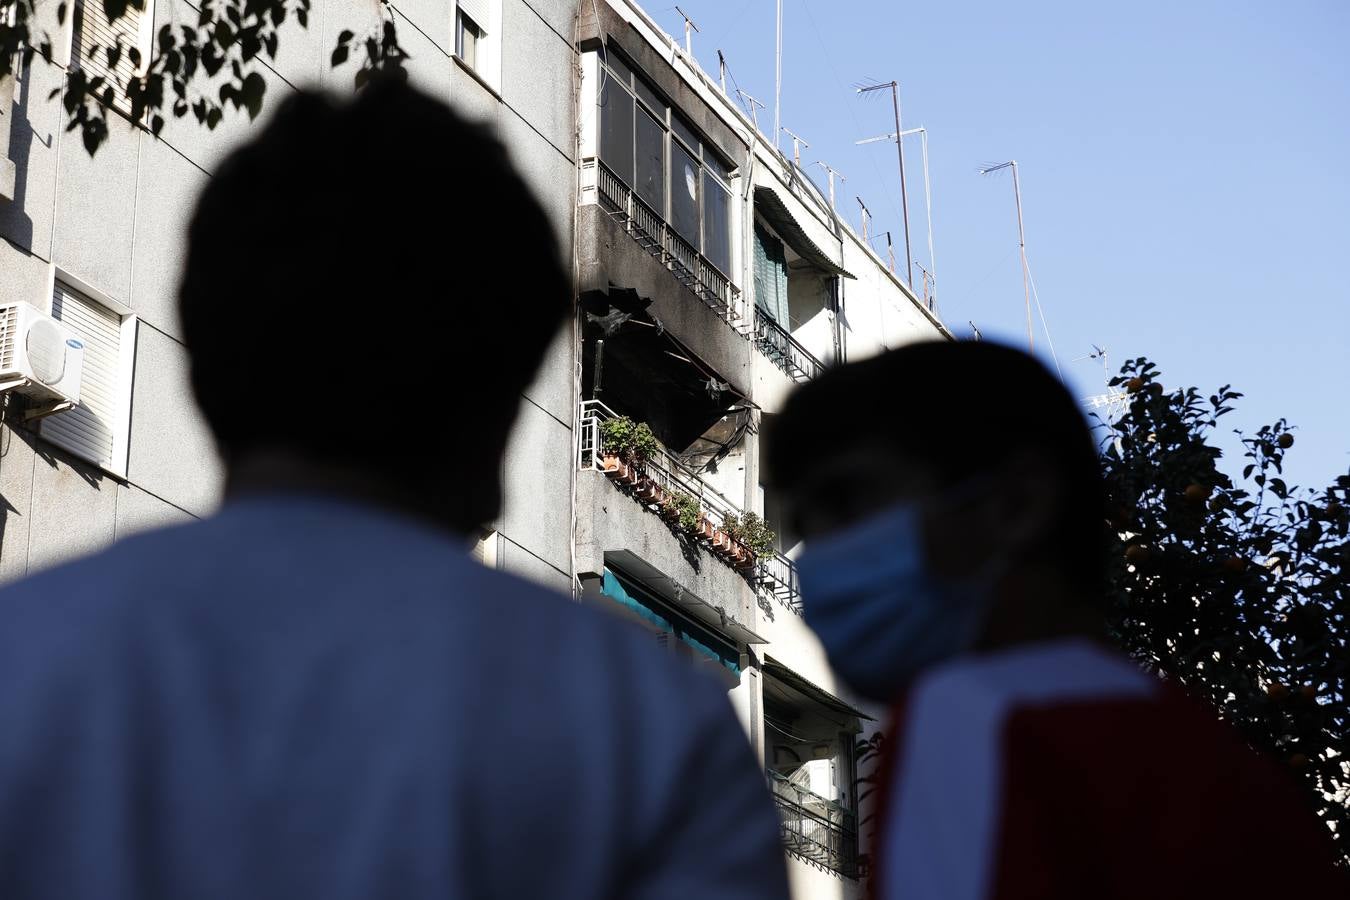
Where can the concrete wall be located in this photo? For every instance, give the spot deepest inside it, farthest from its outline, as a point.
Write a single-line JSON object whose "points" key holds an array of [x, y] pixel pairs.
{"points": [[115, 223]]}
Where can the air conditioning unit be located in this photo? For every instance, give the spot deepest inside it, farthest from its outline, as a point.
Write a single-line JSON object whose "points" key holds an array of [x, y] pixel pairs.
{"points": [[40, 358]]}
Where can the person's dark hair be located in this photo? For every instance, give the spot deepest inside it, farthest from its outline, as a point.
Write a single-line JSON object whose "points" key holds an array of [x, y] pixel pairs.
{"points": [[960, 408], [370, 261]]}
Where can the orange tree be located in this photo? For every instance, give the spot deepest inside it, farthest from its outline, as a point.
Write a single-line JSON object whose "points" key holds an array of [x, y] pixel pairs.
{"points": [[1233, 587]]}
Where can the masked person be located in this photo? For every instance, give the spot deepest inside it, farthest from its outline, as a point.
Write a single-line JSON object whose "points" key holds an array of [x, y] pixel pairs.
{"points": [[950, 501]]}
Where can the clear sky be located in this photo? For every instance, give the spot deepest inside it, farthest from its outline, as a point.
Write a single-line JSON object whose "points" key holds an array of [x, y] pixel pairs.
{"points": [[1185, 171]]}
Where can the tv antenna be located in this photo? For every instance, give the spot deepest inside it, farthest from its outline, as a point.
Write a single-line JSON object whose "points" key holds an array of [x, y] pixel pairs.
{"points": [[832, 175], [1021, 241], [797, 144], [755, 106], [866, 219], [894, 88], [927, 196], [689, 28]]}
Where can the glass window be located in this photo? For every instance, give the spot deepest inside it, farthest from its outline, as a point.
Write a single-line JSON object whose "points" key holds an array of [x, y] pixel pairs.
{"points": [[686, 133], [651, 98], [616, 130], [651, 162], [618, 68], [716, 223], [467, 36], [684, 178]]}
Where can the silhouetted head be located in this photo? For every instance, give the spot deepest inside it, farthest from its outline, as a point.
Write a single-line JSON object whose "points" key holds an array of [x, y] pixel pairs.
{"points": [[369, 287], [991, 450]]}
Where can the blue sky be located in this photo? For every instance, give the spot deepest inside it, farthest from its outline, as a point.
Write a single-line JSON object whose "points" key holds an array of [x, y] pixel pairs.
{"points": [[1185, 174]]}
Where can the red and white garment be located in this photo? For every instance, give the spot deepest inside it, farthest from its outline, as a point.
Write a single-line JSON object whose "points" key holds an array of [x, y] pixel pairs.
{"points": [[1060, 770]]}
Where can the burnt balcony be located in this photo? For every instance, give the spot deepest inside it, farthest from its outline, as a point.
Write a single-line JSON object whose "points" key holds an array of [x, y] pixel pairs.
{"points": [[651, 232]]}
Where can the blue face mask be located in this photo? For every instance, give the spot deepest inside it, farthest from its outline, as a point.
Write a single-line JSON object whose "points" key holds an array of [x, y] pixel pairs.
{"points": [[881, 615]]}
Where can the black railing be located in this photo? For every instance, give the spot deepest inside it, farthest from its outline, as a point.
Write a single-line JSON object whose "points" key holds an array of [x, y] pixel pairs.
{"points": [[815, 829], [783, 350], [650, 231]]}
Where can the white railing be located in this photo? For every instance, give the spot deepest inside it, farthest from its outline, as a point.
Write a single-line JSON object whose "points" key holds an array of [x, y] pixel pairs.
{"points": [[663, 475], [650, 230]]}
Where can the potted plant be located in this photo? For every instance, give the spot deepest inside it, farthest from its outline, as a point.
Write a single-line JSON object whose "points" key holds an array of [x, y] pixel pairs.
{"points": [[752, 535], [688, 512]]}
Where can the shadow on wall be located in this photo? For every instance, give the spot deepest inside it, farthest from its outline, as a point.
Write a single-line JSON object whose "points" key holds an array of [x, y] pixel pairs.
{"points": [[15, 222]]}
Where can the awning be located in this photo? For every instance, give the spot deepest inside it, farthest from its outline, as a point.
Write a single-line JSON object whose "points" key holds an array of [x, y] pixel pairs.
{"points": [[679, 597], [772, 208], [790, 678]]}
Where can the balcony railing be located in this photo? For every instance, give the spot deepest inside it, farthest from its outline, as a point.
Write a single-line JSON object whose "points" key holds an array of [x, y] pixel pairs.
{"points": [[647, 227], [773, 575], [783, 350], [816, 829]]}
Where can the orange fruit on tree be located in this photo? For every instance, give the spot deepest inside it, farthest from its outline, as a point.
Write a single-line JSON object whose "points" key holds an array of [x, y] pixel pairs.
{"points": [[1309, 692], [1235, 565], [1277, 691], [1286, 441], [1134, 385], [1136, 554], [1196, 493]]}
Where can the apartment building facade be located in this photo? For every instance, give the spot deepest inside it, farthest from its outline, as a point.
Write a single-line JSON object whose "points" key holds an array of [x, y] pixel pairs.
{"points": [[713, 277]]}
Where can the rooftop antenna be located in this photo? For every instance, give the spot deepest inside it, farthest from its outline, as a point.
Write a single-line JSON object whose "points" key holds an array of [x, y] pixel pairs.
{"points": [[689, 28], [890, 251], [778, 79], [927, 280], [894, 88], [866, 219], [797, 144], [755, 106], [722, 71], [927, 197], [975, 331], [833, 174], [1021, 240]]}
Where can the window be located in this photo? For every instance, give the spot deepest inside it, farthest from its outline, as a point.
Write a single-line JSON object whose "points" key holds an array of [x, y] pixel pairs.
{"points": [[657, 153], [92, 29], [467, 36], [477, 28], [96, 429], [771, 282]]}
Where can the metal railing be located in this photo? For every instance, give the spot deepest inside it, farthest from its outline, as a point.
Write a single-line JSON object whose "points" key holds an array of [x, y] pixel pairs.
{"points": [[773, 575], [783, 350], [650, 230], [816, 829]]}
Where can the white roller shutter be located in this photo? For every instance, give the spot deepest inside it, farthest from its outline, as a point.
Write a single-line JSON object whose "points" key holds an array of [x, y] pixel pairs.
{"points": [[89, 429], [92, 29], [478, 10]]}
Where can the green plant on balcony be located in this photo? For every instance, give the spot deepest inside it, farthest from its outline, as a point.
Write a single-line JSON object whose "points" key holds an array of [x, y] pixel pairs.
{"points": [[631, 441], [750, 531], [683, 509]]}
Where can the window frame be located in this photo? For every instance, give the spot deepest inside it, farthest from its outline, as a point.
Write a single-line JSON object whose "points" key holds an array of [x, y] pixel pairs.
{"points": [[677, 132], [126, 368], [464, 23]]}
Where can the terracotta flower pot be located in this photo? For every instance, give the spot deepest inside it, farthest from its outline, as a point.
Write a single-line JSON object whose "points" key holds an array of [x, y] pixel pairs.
{"points": [[612, 465], [648, 491], [706, 530]]}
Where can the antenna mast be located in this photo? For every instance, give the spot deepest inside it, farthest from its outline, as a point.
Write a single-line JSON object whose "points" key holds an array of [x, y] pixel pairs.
{"points": [[778, 79], [894, 88], [866, 218], [833, 174], [689, 26], [1021, 241]]}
